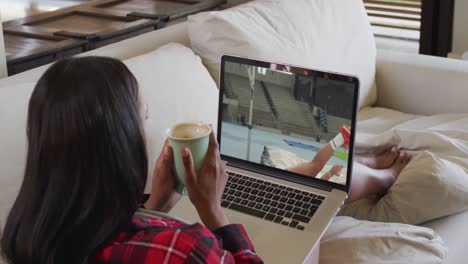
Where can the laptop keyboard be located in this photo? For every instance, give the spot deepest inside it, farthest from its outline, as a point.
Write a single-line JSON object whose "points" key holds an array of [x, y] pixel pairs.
{"points": [[277, 203]]}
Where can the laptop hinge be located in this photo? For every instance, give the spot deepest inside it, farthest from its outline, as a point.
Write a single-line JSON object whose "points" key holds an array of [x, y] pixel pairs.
{"points": [[282, 176]]}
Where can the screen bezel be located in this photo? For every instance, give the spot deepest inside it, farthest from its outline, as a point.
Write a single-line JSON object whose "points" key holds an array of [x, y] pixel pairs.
{"points": [[279, 173]]}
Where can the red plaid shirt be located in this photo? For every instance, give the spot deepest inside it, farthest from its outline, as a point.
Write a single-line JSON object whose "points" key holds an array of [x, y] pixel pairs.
{"points": [[164, 240]]}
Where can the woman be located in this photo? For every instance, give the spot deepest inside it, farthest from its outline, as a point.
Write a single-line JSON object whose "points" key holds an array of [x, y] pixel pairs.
{"points": [[86, 172]]}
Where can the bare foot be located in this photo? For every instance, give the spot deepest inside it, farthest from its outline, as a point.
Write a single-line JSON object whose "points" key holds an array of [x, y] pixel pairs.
{"points": [[399, 164], [369, 182], [381, 161], [387, 177]]}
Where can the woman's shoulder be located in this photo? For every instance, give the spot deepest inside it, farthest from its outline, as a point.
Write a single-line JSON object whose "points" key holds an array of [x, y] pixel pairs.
{"points": [[154, 238]]}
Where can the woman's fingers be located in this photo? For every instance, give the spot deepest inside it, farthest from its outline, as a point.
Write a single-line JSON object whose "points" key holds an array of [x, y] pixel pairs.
{"points": [[165, 159], [190, 175], [213, 158], [213, 148], [164, 148], [168, 155]]}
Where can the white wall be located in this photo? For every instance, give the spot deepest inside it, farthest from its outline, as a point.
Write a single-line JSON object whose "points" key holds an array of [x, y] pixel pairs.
{"points": [[3, 67], [460, 30]]}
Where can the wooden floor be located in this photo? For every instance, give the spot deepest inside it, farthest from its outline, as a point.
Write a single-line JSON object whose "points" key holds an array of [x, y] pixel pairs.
{"points": [[13, 9]]}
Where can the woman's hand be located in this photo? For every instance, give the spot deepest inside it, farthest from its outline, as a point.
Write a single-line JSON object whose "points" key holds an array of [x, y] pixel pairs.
{"points": [[163, 195], [206, 188]]}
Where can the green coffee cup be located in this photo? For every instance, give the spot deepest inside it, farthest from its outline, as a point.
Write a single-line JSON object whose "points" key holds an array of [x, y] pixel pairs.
{"points": [[194, 136]]}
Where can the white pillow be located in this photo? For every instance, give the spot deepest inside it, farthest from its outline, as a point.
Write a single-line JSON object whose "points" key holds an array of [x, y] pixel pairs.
{"points": [[177, 88], [14, 100], [351, 241], [332, 35], [428, 188]]}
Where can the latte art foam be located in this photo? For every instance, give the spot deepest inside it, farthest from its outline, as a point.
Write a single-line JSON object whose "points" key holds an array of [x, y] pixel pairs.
{"points": [[189, 131]]}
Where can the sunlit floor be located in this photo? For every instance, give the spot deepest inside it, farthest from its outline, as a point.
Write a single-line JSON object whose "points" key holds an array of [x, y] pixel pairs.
{"points": [[13, 9]]}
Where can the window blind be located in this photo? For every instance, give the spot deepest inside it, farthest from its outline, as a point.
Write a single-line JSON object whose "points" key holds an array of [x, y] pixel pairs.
{"points": [[395, 18]]}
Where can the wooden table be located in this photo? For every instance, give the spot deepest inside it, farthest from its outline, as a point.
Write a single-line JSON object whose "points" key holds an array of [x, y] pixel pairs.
{"points": [[14, 9], [27, 51], [41, 39]]}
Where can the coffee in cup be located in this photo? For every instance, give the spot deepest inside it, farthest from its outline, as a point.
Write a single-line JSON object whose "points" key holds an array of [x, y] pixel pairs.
{"points": [[194, 136]]}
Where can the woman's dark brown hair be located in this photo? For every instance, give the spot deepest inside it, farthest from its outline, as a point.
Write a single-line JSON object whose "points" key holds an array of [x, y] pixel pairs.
{"points": [[86, 164]]}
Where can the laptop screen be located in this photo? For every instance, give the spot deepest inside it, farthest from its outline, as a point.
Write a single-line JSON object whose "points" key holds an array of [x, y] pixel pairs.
{"points": [[288, 118]]}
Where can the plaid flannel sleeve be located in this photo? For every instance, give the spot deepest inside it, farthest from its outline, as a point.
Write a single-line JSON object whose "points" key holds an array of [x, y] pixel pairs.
{"points": [[229, 245], [169, 241], [234, 239]]}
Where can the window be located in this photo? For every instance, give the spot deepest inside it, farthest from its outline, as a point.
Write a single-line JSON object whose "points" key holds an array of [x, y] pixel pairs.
{"points": [[423, 26], [396, 23]]}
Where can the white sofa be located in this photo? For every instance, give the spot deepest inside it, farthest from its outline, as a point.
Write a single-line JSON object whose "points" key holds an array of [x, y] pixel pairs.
{"points": [[409, 83], [3, 66]]}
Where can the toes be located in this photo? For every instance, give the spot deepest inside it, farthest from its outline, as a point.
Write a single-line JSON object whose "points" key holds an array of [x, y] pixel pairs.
{"points": [[391, 155], [395, 152], [402, 157], [409, 158]]}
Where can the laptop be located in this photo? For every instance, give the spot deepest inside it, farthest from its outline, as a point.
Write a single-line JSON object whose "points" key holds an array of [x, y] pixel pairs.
{"points": [[286, 134]]}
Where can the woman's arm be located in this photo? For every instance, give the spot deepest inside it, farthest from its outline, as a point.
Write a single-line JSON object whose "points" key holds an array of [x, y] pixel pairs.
{"points": [[313, 167], [165, 239], [234, 239], [231, 245]]}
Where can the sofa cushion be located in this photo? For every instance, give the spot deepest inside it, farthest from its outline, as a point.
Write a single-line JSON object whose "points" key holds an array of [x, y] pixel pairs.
{"points": [[332, 35], [14, 100], [177, 88], [352, 241], [452, 231]]}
